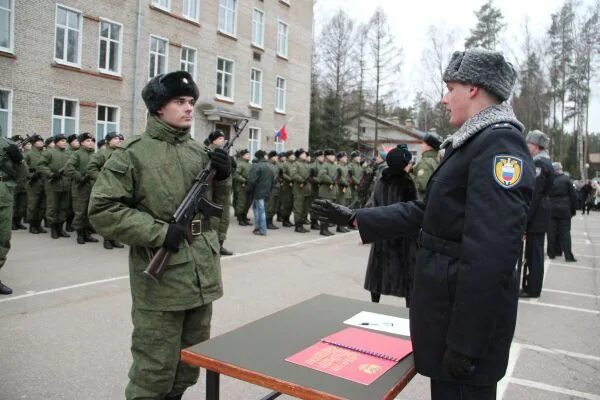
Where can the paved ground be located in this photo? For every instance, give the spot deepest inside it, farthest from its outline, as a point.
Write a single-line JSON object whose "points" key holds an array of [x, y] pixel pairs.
{"points": [[64, 333]]}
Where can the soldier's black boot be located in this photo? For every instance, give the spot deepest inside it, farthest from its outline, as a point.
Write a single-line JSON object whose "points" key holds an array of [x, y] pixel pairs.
{"points": [[54, 231], [14, 225], [223, 251], [286, 222], [61, 232], [33, 229], [5, 289], [116, 244], [242, 222], [87, 236], [38, 225], [325, 230], [107, 244], [80, 236], [270, 224], [315, 226], [178, 397], [69, 225], [342, 229], [17, 224], [300, 229]]}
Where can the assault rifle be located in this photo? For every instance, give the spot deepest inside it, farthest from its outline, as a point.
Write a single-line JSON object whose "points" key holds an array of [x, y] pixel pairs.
{"points": [[194, 201]]}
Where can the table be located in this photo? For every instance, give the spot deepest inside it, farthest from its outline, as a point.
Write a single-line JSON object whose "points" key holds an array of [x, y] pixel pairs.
{"points": [[256, 353]]}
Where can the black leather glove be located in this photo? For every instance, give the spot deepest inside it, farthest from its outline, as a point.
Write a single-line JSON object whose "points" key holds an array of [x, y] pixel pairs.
{"points": [[13, 152], [175, 235], [221, 163], [458, 364], [332, 212]]}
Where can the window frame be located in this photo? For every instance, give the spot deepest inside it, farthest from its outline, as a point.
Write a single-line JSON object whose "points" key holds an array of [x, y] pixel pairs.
{"points": [[8, 132], [287, 39], [120, 51], [80, 36], [183, 46], [279, 145], [150, 54], [277, 109], [11, 32], [191, 18], [264, 17], [63, 117], [256, 140], [156, 3], [235, 19], [118, 122], [220, 96], [252, 103]]}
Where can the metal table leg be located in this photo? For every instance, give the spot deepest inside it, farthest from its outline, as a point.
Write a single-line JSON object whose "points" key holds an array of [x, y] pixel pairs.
{"points": [[271, 396], [212, 385]]}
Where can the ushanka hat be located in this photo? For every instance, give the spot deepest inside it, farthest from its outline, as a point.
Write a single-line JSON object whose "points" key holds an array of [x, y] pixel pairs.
{"points": [[58, 138], [539, 138], [329, 152], [85, 136], [299, 152], [164, 87], [483, 68], [71, 138], [215, 135], [398, 157], [433, 140], [272, 154]]}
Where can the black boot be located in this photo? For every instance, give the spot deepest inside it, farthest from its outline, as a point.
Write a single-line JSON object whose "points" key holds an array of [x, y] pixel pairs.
{"points": [[17, 224], [80, 236], [33, 229], [270, 224], [38, 225], [61, 232], [5, 289], [342, 229], [87, 236], [69, 225], [54, 231], [315, 226], [286, 222], [14, 225], [325, 230], [300, 229], [178, 397], [107, 244], [242, 222], [223, 251], [116, 244]]}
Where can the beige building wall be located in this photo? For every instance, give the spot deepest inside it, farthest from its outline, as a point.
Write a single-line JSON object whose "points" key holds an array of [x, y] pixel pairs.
{"points": [[35, 78]]}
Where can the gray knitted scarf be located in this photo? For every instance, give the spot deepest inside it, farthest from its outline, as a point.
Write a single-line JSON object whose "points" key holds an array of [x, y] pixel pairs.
{"points": [[500, 113]]}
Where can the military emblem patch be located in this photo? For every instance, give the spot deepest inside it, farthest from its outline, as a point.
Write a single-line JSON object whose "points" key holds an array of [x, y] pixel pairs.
{"points": [[507, 170]]}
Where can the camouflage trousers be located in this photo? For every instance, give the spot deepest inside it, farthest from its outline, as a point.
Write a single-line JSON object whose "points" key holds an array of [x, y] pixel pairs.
{"points": [[57, 206], [6, 212], [157, 340], [36, 201], [20, 206], [81, 200]]}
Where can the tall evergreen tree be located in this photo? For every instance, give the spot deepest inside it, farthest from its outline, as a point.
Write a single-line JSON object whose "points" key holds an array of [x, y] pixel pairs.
{"points": [[489, 25]]}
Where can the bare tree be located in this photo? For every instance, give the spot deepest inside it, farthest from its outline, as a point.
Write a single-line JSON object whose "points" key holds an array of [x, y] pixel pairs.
{"points": [[335, 46], [362, 69]]}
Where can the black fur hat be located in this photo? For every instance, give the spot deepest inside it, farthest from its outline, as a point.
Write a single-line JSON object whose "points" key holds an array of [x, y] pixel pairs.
{"points": [[354, 154], [260, 154], [283, 154], [17, 139], [58, 138], [35, 138], [398, 157], [48, 140], [272, 154], [318, 153], [433, 139], [85, 136], [101, 143], [298, 152], [164, 87], [215, 135], [242, 152], [329, 152], [71, 138], [110, 135], [484, 68], [341, 154]]}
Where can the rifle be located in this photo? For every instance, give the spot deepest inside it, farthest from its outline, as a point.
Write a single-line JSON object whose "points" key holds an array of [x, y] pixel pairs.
{"points": [[194, 201]]}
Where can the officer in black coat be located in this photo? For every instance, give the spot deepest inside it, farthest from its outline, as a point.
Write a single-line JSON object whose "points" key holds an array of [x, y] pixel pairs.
{"points": [[539, 214], [564, 207], [470, 223]]}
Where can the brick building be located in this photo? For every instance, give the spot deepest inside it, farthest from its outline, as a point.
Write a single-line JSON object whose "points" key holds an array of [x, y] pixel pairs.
{"points": [[72, 66]]}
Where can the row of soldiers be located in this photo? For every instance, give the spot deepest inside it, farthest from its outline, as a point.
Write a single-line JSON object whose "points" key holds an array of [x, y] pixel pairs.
{"points": [[56, 188]]}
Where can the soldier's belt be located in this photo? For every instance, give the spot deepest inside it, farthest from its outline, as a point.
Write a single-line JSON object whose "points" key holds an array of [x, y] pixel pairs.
{"points": [[199, 226]]}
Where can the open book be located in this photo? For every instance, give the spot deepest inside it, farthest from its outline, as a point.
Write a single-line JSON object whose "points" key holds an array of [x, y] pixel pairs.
{"points": [[354, 354]]}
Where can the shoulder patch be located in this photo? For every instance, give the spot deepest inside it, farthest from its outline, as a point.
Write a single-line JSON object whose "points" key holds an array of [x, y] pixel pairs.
{"points": [[130, 141], [507, 170], [421, 172]]}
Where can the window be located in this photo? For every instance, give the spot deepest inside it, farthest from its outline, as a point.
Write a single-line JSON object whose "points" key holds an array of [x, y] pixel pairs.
{"points": [[258, 28], [109, 59], [282, 39], [191, 9], [6, 25], [158, 56], [363, 129], [280, 95], [256, 87], [164, 4], [228, 16], [5, 112], [67, 48], [64, 117], [253, 140], [279, 145], [107, 120], [225, 78], [188, 60]]}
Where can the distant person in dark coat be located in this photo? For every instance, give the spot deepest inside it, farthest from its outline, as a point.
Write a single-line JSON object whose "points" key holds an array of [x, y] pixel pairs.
{"points": [[587, 198], [564, 207], [260, 184], [392, 262]]}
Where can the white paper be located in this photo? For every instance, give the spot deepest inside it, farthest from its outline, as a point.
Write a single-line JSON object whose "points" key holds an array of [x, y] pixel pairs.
{"points": [[380, 322]]}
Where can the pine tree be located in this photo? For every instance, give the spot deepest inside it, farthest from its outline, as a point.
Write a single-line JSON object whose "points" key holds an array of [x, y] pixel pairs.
{"points": [[488, 28]]}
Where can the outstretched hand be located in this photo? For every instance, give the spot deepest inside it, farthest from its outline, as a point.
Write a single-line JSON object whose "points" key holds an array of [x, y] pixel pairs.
{"points": [[337, 214]]}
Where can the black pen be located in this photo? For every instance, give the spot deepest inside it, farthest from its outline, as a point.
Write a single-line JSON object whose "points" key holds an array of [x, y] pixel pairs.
{"points": [[375, 324]]}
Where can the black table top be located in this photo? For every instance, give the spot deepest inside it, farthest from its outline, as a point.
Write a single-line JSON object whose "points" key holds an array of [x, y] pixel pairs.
{"points": [[263, 345]]}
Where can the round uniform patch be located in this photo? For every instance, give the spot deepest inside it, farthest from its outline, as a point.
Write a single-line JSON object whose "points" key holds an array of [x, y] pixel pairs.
{"points": [[421, 172], [507, 170]]}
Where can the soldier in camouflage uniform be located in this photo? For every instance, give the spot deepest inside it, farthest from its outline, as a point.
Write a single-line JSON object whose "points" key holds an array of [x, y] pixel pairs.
{"points": [[327, 177], [343, 193], [286, 196], [317, 162], [112, 141], [20, 193], [73, 146], [240, 185], [429, 161], [272, 202], [12, 169], [81, 186], [302, 189], [36, 195], [135, 195], [355, 176]]}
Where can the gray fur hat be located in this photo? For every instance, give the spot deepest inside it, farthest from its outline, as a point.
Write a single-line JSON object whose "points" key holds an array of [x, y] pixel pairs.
{"points": [[483, 68], [539, 138], [164, 87]]}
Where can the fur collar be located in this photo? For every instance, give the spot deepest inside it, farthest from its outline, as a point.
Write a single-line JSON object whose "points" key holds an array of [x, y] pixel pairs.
{"points": [[487, 117], [542, 154]]}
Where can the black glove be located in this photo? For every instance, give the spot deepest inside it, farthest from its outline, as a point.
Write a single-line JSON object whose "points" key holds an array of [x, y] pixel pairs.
{"points": [[175, 235], [458, 364], [332, 212], [221, 163], [233, 163], [13, 152]]}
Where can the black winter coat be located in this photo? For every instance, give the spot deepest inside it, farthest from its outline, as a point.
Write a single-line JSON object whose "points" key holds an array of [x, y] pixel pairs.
{"points": [[563, 197], [473, 219], [540, 209], [392, 262], [260, 180]]}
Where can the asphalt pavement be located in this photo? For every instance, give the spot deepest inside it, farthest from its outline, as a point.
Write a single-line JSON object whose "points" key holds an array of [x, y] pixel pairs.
{"points": [[65, 331]]}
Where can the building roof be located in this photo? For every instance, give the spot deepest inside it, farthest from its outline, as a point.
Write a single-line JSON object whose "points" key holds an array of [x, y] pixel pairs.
{"points": [[415, 133]]}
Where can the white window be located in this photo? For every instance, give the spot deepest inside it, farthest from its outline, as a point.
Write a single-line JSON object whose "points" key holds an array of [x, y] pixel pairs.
{"points": [[109, 58], [258, 28], [7, 17], [67, 48], [225, 78], [164, 4], [282, 39], [64, 116], [191, 9], [256, 87], [188, 60], [158, 56], [107, 120], [5, 112], [279, 145], [280, 95], [253, 140], [228, 16]]}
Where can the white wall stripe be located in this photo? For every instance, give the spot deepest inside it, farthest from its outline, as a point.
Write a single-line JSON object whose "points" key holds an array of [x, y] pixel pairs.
{"points": [[591, 296], [555, 389]]}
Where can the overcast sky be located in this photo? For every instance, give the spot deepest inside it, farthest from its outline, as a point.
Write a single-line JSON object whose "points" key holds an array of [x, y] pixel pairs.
{"points": [[410, 20]]}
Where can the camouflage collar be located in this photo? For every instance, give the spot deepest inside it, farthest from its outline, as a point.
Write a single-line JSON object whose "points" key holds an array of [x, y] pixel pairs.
{"points": [[160, 130]]}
